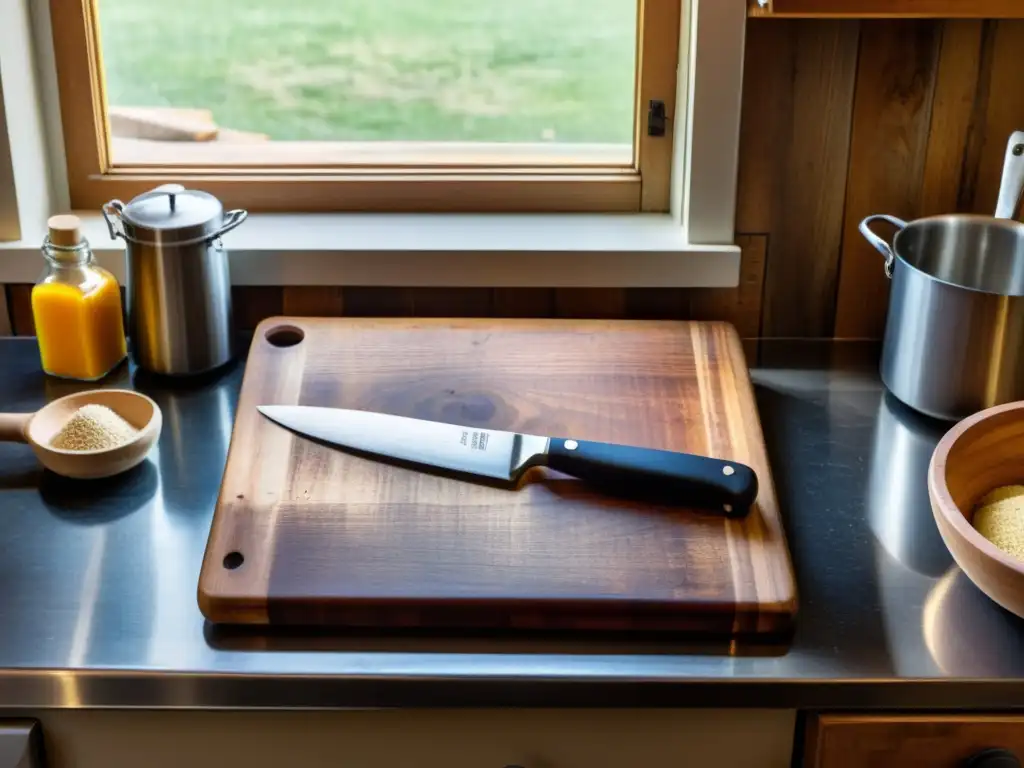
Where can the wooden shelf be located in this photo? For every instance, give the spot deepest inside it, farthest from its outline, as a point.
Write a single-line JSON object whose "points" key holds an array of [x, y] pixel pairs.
{"points": [[862, 9]]}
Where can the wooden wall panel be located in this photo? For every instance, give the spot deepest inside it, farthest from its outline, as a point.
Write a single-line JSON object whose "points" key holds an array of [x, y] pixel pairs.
{"points": [[313, 301], [798, 153], [737, 305], [968, 182], [453, 302], [657, 303], [19, 297], [377, 302], [252, 304], [524, 302], [741, 306], [1000, 111], [590, 302], [5, 318], [891, 114], [952, 120], [767, 114]]}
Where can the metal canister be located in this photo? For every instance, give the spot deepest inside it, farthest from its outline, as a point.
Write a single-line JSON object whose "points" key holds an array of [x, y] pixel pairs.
{"points": [[179, 285]]}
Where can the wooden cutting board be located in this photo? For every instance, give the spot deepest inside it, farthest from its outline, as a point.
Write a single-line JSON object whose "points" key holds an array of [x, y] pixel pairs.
{"points": [[307, 534]]}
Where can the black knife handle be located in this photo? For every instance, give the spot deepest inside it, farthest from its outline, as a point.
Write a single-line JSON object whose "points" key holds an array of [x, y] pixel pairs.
{"points": [[678, 478]]}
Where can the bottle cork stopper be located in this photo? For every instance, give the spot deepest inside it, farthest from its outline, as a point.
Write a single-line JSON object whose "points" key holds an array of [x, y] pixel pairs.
{"points": [[65, 230]]}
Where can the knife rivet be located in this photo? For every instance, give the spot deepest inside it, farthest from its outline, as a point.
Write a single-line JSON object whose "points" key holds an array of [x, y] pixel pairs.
{"points": [[727, 508], [727, 471], [571, 445]]}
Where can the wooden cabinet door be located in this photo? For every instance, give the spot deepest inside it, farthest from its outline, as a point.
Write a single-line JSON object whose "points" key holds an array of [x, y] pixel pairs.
{"points": [[908, 741]]}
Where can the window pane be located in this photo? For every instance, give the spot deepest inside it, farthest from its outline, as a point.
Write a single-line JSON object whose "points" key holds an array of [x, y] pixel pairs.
{"points": [[554, 76]]}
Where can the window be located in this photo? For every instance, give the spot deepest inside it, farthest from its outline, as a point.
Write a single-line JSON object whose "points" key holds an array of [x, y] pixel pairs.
{"points": [[392, 105]]}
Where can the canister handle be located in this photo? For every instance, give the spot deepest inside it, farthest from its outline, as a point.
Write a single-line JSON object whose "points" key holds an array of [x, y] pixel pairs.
{"points": [[231, 220], [112, 211], [882, 245]]}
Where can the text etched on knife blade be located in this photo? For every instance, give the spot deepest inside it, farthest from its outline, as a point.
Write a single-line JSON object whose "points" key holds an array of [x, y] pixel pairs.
{"points": [[478, 441]]}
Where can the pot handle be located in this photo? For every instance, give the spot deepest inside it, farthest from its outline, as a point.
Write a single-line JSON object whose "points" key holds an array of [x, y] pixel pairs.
{"points": [[231, 220], [881, 245], [1012, 185], [112, 212]]}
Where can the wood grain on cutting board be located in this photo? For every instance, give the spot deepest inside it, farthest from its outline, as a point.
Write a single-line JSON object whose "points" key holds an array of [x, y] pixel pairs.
{"points": [[307, 534]]}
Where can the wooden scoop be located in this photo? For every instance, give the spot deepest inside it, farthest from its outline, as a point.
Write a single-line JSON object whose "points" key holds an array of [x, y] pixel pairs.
{"points": [[38, 430]]}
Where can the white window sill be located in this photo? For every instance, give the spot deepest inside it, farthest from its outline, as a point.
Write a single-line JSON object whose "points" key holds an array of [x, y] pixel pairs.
{"points": [[451, 250]]}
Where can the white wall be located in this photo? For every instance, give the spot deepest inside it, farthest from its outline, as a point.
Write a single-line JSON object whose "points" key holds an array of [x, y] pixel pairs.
{"points": [[24, 167]]}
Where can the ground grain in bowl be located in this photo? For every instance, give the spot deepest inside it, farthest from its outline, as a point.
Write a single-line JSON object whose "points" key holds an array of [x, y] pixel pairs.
{"points": [[93, 427], [999, 517]]}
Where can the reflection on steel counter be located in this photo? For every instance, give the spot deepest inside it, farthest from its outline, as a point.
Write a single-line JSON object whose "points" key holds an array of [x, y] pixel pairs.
{"points": [[966, 631], [898, 509], [199, 412]]}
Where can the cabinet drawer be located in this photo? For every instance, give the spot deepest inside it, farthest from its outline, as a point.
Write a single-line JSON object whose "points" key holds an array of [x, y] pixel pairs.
{"points": [[920, 741], [425, 739]]}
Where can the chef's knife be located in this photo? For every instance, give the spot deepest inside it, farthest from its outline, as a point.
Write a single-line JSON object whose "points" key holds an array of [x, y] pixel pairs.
{"points": [[677, 478]]}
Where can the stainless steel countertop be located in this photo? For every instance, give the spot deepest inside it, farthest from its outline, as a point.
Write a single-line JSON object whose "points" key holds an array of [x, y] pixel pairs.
{"points": [[98, 581]]}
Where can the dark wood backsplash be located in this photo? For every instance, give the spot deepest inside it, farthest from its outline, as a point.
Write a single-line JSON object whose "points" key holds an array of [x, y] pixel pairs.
{"points": [[841, 119], [740, 306]]}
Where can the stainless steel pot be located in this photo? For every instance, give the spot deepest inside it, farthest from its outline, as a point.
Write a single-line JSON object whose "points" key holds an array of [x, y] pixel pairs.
{"points": [[179, 287], [954, 336]]}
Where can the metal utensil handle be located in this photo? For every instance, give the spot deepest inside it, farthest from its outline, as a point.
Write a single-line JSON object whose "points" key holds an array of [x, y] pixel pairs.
{"points": [[1011, 187], [112, 211], [882, 245], [231, 220]]}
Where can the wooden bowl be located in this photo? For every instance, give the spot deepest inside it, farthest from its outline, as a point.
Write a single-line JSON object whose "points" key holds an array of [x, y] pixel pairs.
{"points": [[981, 453], [39, 429]]}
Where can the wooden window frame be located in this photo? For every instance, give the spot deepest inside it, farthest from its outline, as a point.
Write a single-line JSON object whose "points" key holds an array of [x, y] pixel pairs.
{"points": [[643, 186]]}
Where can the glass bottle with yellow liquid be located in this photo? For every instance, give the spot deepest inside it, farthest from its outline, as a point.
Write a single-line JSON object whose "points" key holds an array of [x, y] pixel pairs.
{"points": [[77, 307]]}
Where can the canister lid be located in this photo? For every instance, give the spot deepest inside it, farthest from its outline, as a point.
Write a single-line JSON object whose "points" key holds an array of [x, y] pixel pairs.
{"points": [[173, 214]]}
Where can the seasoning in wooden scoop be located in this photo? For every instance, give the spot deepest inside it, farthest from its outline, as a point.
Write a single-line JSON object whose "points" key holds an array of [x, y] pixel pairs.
{"points": [[93, 428], [999, 517]]}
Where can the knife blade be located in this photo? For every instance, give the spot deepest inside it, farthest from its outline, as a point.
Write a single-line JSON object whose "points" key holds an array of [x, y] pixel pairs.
{"points": [[677, 478]]}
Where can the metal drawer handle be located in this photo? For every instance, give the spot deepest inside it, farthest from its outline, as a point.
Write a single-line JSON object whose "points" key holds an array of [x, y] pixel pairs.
{"points": [[994, 757]]}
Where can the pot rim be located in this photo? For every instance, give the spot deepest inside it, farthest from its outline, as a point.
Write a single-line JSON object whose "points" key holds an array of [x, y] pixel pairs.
{"points": [[1009, 224]]}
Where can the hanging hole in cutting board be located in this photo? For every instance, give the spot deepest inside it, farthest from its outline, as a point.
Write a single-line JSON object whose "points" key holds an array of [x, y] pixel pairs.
{"points": [[233, 560], [284, 335]]}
